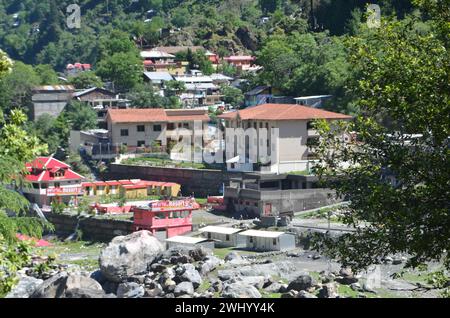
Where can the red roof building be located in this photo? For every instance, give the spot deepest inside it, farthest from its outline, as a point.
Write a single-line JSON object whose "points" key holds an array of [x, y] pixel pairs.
{"points": [[52, 180], [286, 135]]}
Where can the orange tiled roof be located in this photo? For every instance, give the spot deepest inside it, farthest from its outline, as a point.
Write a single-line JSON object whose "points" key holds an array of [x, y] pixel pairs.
{"points": [[134, 115], [282, 112]]}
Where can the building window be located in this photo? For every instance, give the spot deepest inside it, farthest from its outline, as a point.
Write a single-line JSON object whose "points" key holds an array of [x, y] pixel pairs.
{"points": [[186, 125], [141, 128], [141, 143], [157, 128], [255, 125], [227, 237], [251, 239], [209, 235], [170, 126], [310, 125], [260, 125], [124, 132], [274, 242]]}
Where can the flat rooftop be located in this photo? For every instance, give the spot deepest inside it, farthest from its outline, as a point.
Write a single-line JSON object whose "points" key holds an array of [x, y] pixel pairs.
{"points": [[219, 230]]}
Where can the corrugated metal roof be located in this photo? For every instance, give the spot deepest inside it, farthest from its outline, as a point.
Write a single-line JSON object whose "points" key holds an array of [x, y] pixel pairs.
{"points": [[54, 88], [219, 229]]}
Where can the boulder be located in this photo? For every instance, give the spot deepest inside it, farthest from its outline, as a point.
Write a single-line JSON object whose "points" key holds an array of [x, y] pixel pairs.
{"points": [[53, 287], [210, 264], [217, 286], [130, 290], [184, 288], [305, 294], [273, 288], [129, 255], [182, 255], [256, 281], [328, 291], [190, 274], [303, 282], [240, 290], [232, 256], [25, 288], [76, 281], [290, 294], [86, 293]]}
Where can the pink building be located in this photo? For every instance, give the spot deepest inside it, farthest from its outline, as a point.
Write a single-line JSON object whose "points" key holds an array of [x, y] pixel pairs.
{"points": [[165, 218]]}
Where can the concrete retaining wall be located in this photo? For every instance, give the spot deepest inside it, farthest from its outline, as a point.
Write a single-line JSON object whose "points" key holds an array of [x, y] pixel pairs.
{"points": [[94, 229], [198, 181]]}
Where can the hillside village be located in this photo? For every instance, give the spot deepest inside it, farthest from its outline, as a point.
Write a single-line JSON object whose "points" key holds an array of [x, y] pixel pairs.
{"points": [[193, 168]]}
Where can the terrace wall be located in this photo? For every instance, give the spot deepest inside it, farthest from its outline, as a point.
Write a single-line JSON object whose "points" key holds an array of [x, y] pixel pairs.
{"points": [[95, 229], [201, 182]]}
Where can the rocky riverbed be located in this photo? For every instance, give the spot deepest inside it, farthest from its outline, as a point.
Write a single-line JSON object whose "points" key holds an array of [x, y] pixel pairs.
{"points": [[138, 265]]}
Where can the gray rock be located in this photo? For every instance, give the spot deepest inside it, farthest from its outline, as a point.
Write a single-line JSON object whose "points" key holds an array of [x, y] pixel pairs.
{"points": [[130, 290], [368, 288], [190, 274], [328, 291], [169, 285], [53, 287], [153, 293], [184, 288], [256, 281], [25, 288], [290, 294], [129, 255], [239, 290], [85, 293], [303, 282], [210, 264], [283, 288], [232, 256], [76, 281], [355, 287], [217, 286], [305, 294], [346, 272], [273, 288], [182, 254]]}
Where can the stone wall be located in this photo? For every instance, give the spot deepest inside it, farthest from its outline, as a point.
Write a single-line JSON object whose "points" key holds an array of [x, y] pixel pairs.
{"points": [[95, 229], [201, 182]]}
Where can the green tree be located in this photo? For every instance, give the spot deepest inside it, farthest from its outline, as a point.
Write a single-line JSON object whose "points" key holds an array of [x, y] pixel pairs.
{"points": [[80, 116], [123, 69], [232, 95], [16, 87], [47, 74], [85, 80], [17, 147], [402, 133], [180, 17]]}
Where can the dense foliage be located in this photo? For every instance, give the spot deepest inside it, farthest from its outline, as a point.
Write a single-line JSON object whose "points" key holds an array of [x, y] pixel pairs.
{"points": [[395, 174]]}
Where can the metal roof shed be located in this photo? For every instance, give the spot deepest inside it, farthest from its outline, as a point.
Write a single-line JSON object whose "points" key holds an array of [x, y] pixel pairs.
{"points": [[189, 241], [223, 236], [268, 240]]}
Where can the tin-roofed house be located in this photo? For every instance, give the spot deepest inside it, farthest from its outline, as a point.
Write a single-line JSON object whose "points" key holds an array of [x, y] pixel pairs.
{"points": [[50, 99], [188, 241], [223, 236], [266, 241]]}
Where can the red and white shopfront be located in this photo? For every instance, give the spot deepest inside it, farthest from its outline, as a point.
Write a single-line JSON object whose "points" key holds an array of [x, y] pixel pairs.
{"points": [[52, 180]]}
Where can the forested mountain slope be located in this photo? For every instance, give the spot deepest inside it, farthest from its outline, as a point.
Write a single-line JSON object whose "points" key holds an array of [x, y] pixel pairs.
{"points": [[36, 32]]}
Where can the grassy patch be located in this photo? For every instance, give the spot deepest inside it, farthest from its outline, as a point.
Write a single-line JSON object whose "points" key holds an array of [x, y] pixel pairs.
{"points": [[266, 294], [158, 162]]}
